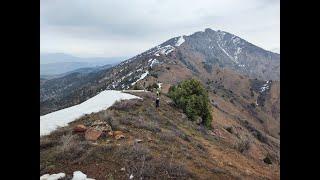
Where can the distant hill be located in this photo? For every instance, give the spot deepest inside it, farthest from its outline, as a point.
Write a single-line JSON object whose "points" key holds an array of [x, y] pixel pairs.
{"points": [[59, 63]]}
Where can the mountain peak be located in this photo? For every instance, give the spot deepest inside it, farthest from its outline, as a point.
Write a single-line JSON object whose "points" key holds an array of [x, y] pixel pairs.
{"points": [[208, 30]]}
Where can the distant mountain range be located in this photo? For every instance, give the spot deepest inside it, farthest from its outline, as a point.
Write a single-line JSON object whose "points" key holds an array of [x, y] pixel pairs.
{"points": [[58, 63]]}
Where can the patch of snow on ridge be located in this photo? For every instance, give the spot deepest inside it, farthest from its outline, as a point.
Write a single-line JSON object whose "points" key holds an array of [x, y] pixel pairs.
{"points": [[180, 41], [264, 87], [141, 77], [52, 176], [154, 61], [78, 175], [60, 118], [166, 49]]}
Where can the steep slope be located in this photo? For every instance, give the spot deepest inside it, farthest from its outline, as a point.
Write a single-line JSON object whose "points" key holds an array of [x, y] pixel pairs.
{"points": [[157, 144], [229, 51]]}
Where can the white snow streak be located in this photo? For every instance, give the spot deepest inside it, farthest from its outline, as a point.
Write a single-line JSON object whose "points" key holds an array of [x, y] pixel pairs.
{"points": [[264, 87], [154, 61], [141, 77], [180, 41], [52, 176], [234, 60]]}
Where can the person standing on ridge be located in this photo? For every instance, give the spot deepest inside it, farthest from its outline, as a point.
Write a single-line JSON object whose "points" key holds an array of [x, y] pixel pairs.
{"points": [[157, 102], [158, 99]]}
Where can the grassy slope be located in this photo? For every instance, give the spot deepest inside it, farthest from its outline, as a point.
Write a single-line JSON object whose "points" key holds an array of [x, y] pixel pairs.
{"points": [[172, 147]]}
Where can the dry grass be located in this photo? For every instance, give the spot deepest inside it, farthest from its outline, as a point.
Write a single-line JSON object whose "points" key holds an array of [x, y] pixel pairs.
{"points": [[243, 145], [126, 105], [71, 147]]}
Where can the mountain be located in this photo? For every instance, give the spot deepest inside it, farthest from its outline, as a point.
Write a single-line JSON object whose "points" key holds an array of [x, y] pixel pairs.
{"points": [[202, 54], [59, 63], [243, 83]]}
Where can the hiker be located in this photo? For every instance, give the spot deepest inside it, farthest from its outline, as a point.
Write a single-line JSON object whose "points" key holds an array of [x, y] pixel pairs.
{"points": [[157, 102], [157, 93]]}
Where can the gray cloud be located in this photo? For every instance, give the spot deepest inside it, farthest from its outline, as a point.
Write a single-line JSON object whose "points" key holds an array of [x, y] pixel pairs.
{"points": [[128, 27]]}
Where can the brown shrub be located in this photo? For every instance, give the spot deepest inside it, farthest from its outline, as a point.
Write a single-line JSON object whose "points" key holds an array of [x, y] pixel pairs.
{"points": [[46, 142], [166, 136], [71, 147], [141, 164], [113, 122], [126, 105], [243, 145]]}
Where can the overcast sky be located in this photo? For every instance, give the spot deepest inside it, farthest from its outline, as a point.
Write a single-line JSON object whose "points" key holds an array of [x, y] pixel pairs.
{"points": [[110, 28]]}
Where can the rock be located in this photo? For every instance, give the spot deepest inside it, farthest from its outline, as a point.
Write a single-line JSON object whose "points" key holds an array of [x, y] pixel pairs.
{"points": [[92, 134], [115, 133], [123, 169], [98, 123], [101, 126], [131, 176], [80, 128], [198, 120], [138, 140], [110, 133], [104, 128], [248, 172], [119, 136]]}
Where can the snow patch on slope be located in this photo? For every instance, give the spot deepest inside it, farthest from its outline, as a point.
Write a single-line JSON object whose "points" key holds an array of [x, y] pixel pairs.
{"points": [[166, 49], [264, 87], [78, 175], [141, 77], [234, 60], [60, 118], [180, 41], [52, 176], [154, 61], [237, 53]]}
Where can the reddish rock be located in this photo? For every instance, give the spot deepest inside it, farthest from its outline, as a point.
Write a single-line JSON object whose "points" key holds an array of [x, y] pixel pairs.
{"points": [[115, 133], [110, 133], [92, 134], [80, 128], [119, 136]]}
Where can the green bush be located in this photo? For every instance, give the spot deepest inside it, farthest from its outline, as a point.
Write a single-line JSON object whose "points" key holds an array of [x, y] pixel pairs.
{"points": [[191, 96]]}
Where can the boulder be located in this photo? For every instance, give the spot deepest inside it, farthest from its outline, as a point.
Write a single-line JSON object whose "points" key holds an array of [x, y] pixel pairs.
{"points": [[101, 126], [110, 133], [119, 136], [138, 140], [99, 122], [105, 128], [92, 134], [115, 133], [80, 128]]}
